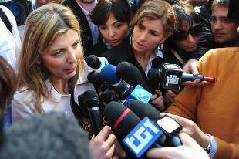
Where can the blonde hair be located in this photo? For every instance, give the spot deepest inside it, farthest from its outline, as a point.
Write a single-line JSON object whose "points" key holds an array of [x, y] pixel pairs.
{"points": [[156, 9], [42, 27]]}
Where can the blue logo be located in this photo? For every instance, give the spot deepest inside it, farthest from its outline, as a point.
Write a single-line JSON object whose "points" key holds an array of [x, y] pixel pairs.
{"points": [[141, 138], [139, 93]]}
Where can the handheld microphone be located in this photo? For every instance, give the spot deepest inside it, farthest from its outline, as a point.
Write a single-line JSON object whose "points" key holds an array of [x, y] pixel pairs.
{"points": [[93, 61], [130, 73], [108, 95], [122, 87], [108, 74], [90, 100], [171, 76], [96, 63], [136, 136], [96, 79], [170, 127]]}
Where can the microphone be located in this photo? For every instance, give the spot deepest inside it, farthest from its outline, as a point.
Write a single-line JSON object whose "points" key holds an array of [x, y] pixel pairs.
{"points": [[136, 136], [108, 74], [170, 127], [144, 109], [89, 99], [96, 79], [130, 73], [96, 63], [93, 61], [125, 90], [171, 76], [108, 95]]}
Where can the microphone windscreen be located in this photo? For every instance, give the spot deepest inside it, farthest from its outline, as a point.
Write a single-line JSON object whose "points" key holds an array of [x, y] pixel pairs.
{"points": [[93, 61], [154, 76], [144, 110], [108, 95], [120, 118], [94, 77], [123, 90], [129, 73], [89, 99], [108, 74]]}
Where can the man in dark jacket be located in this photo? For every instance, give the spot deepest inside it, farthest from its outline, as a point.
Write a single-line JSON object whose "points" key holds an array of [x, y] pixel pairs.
{"points": [[89, 31]]}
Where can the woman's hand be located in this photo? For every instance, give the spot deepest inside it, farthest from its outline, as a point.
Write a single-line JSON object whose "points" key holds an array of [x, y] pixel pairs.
{"points": [[157, 100], [188, 148], [191, 128], [103, 145]]}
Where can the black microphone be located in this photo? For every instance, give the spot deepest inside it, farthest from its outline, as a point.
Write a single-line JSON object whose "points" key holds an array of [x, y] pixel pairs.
{"points": [[126, 90], [144, 109], [96, 63], [89, 99], [130, 73], [93, 61], [136, 136], [107, 96], [170, 127], [171, 76]]}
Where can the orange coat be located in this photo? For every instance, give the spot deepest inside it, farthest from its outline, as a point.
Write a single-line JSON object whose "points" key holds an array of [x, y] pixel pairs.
{"points": [[215, 107]]}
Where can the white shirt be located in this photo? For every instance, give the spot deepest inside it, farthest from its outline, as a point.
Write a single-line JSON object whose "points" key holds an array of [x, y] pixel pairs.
{"points": [[10, 43], [157, 53], [23, 103]]}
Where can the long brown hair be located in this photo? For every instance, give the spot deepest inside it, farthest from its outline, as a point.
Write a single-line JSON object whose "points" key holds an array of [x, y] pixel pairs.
{"points": [[42, 27], [7, 83]]}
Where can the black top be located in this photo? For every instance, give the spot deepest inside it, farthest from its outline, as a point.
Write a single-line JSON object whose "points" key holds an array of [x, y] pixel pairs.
{"points": [[87, 39], [99, 48]]}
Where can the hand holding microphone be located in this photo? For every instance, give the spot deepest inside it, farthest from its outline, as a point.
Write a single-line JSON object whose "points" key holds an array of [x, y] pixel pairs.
{"points": [[171, 76], [103, 144], [137, 136], [191, 67], [89, 99], [191, 128], [170, 127], [188, 148]]}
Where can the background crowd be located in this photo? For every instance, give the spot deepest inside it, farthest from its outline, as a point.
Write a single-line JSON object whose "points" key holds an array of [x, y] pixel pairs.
{"points": [[45, 86]]}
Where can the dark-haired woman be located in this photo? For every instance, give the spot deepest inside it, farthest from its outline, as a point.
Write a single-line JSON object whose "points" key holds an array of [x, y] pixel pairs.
{"points": [[112, 18], [190, 41]]}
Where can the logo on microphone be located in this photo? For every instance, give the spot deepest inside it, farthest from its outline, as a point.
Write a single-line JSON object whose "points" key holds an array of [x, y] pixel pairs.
{"points": [[139, 93], [172, 79], [142, 137]]}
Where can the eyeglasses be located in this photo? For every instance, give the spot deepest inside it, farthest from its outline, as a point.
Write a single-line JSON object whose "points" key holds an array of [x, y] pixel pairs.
{"points": [[182, 35]]}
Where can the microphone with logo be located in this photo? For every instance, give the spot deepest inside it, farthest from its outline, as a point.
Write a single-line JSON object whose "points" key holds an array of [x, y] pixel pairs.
{"points": [[126, 85], [171, 76], [135, 135], [170, 127], [89, 99]]}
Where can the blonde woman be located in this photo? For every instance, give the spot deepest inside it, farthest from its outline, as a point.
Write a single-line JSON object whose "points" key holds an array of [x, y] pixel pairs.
{"points": [[52, 64]]}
